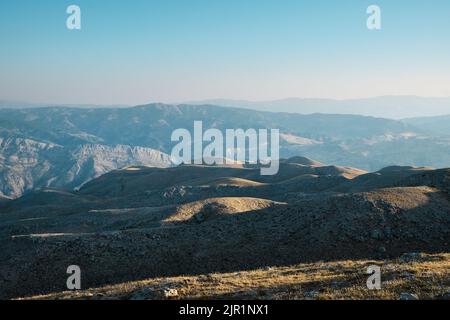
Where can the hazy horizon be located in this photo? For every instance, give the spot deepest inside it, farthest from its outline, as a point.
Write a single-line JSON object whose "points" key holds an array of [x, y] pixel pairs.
{"points": [[174, 51], [389, 107], [206, 99]]}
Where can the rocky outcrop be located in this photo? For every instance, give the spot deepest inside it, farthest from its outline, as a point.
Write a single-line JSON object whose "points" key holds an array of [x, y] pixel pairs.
{"points": [[27, 164]]}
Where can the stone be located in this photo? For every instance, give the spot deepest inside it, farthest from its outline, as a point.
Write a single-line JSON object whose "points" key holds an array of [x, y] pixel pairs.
{"points": [[407, 275], [200, 217], [408, 296], [411, 257], [382, 250], [311, 294], [170, 293], [376, 234]]}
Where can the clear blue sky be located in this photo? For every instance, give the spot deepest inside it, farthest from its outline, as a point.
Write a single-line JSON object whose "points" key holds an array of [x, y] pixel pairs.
{"points": [[131, 52]]}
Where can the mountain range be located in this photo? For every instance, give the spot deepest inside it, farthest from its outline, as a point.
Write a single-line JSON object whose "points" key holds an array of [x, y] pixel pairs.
{"points": [[96, 187], [63, 147], [390, 107]]}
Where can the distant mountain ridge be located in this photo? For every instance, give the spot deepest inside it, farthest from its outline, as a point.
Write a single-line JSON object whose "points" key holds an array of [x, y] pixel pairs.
{"points": [[436, 125], [391, 107], [6, 104], [66, 147]]}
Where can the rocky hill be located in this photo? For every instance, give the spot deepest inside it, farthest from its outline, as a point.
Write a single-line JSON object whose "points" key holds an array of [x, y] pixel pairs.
{"points": [[140, 223]]}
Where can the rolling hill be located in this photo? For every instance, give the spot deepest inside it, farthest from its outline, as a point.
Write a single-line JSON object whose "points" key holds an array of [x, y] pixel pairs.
{"points": [[142, 223]]}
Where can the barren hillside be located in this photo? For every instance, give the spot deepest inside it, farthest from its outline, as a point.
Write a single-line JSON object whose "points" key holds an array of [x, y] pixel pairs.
{"points": [[140, 223]]}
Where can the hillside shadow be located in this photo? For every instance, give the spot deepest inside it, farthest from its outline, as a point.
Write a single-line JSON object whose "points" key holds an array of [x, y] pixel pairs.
{"points": [[279, 236]]}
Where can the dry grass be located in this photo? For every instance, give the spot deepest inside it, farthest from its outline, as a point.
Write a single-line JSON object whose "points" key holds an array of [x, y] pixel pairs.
{"points": [[427, 277], [219, 206], [236, 182]]}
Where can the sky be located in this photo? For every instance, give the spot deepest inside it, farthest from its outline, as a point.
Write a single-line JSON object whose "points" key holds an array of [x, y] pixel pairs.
{"points": [[141, 51]]}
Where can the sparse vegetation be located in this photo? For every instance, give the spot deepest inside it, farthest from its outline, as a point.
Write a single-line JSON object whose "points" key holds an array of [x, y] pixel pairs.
{"points": [[428, 277], [174, 224]]}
